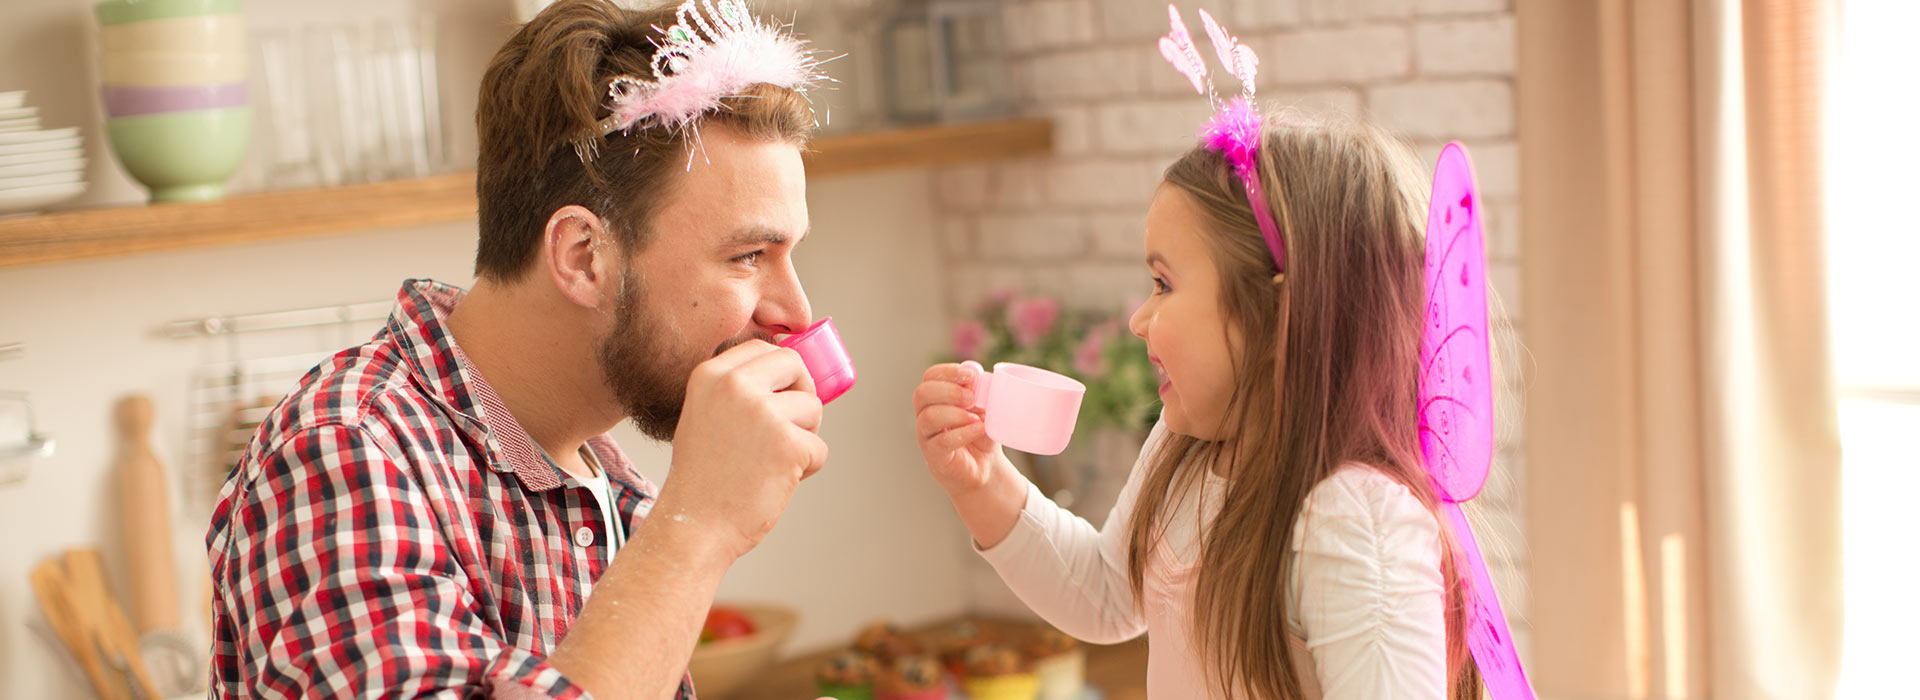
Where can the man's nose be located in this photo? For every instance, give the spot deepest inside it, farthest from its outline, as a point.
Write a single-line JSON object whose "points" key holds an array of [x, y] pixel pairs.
{"points": [[784, 308]]}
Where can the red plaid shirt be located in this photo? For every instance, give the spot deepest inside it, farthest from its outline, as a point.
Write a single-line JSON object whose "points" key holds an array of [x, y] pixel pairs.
{"points": [[392, 531]]}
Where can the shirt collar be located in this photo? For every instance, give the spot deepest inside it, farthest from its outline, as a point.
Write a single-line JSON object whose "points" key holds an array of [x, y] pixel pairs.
{"points": [[418, 324]]}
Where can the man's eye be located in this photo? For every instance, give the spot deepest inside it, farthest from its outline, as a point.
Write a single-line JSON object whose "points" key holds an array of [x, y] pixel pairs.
{"points": [[752, 258]]}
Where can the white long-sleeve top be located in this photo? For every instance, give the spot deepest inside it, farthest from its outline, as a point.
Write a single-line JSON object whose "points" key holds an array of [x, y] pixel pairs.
{"points": [[1366, 614]]}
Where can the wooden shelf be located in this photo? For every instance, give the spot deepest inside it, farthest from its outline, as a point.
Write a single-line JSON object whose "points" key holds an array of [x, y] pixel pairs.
{"points": [[74, 235]]}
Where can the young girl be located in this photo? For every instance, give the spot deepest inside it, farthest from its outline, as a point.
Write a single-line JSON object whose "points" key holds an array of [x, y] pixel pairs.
{"points": [[1277, 537]]}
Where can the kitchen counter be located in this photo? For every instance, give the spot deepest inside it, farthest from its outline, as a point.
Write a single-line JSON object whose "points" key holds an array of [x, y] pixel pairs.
{"points": [[1119, 670]]}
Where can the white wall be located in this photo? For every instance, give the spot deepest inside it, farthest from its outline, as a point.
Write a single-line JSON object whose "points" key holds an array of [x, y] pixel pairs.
{"points": [[869, 537]]}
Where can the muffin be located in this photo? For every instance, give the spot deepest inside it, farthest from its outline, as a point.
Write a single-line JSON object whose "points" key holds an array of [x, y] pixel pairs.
{"points": [[913, 677], [955, 642], [848, 675], [1059, 662], [886, 642], [995, 672]]}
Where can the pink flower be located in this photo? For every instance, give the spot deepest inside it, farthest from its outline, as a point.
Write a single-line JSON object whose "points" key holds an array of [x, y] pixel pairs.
{"points": [[1089, 357], [997, 298], [969, 337], [1030, 319]]}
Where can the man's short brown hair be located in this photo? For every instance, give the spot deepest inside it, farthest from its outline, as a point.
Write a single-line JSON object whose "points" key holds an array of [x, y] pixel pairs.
{"points": [[548, 87]]}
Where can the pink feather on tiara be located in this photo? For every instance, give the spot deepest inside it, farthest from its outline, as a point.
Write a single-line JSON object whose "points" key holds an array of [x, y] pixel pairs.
{"points": [[1234, 132], [706, 58]]}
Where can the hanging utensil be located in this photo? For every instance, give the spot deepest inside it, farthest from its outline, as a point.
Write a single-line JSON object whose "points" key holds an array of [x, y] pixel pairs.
{"points": [[109, 625]]}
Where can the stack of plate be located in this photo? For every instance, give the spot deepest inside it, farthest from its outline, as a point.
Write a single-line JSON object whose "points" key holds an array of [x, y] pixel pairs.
{"points": [[38, 166]]}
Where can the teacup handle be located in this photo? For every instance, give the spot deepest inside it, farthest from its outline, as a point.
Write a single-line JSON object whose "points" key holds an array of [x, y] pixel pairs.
{"points": [[982, 381]]}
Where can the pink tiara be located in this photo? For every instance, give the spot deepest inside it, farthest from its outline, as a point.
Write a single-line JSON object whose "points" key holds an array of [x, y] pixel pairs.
{"points": [[1234, 130], [706, 57]]}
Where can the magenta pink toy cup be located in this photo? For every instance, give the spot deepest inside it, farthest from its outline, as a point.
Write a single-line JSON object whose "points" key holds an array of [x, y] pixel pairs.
{"points": [[826, 359], [1027, 408]]}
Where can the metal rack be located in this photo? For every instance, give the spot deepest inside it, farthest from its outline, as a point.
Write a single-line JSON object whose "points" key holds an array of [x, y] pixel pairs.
{"points": [[226, 400], [278, 320]]}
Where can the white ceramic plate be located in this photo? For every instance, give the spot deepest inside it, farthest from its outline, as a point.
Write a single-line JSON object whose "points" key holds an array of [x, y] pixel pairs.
{"points": [[45, 179], [9, 149], [34, 198], [19, 112], [72, 153], [44, 167], [71, 132], [12, 99], [27, 124]]}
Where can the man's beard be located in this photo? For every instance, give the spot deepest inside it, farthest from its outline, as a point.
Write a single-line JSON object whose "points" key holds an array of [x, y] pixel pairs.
{"points": [[639, 360]]}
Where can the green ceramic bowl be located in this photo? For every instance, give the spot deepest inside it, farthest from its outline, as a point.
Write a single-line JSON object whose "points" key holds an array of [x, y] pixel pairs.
{"points": [[184, 156], [112, 12]]}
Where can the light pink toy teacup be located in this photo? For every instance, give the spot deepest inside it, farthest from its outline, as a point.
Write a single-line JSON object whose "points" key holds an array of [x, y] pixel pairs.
{"points": [[1027, 408], [826, 359]]}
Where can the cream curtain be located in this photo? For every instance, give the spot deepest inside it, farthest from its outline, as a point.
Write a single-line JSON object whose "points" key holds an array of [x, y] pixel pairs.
{"points": [[1681, 439]]}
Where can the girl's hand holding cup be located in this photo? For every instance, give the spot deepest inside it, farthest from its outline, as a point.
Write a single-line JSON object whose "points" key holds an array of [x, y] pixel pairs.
{"points": [[952, 434]]}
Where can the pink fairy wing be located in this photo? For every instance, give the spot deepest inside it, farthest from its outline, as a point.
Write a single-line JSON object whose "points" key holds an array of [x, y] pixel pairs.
{"points": [[1456, 382], [1488, 636], [1456, 402], [1177, 48]]}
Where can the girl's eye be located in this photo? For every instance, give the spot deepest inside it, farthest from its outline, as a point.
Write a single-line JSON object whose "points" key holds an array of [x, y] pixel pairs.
{"points": [[751, 259], [1160, 286]]}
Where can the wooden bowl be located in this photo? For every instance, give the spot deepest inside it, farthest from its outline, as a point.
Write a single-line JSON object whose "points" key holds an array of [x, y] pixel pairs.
{"points": [[720, 667]]}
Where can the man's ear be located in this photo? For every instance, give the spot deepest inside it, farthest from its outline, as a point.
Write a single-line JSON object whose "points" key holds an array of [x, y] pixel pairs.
{"points": [[579, 251]]}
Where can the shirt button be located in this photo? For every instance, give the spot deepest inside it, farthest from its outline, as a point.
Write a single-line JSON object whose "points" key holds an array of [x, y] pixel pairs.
{"points": [[583, 536]]}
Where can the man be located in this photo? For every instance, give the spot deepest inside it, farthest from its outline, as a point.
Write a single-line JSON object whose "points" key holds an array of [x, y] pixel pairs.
{"points": [[427, 513]]}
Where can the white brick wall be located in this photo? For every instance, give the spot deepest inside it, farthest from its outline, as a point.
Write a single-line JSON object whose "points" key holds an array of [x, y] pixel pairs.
{"points": [[1449, 7], [1049, 24], [1442, 109], [1031, 237], [1256, 15], [1102, 184], [1343, 11], [1072, 224], [1084, 75], [1124, 20], [1072, 130], [1338, 55], [1470, 46], [1162, 126], [1016, 185]]}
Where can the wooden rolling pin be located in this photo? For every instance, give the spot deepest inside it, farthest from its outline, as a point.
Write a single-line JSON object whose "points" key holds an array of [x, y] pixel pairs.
{"points": [[144, 521]]}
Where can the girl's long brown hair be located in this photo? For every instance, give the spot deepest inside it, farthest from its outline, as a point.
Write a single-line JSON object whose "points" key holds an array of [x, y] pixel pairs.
{"points": [[1327, 376]]}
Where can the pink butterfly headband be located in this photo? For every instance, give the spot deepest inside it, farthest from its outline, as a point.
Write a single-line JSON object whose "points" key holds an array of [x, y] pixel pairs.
{"points": [[1234, 130], [707, 57]]}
